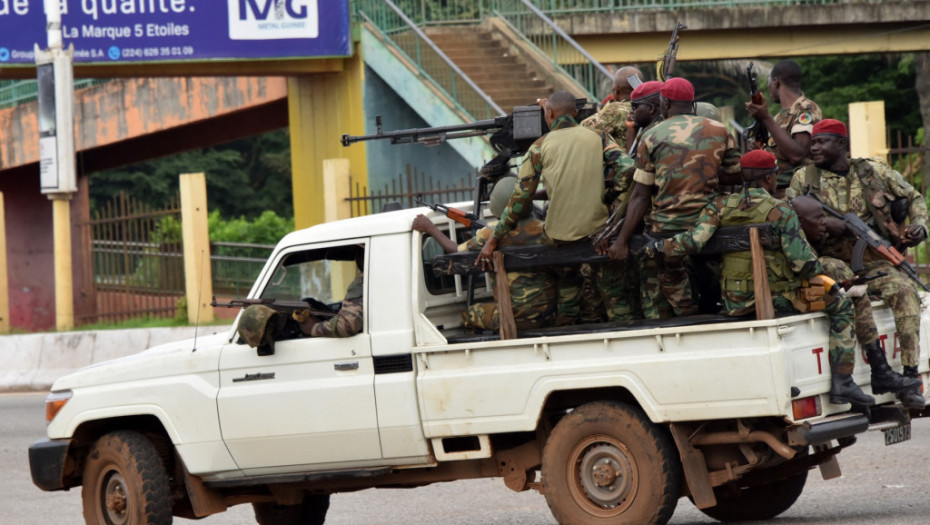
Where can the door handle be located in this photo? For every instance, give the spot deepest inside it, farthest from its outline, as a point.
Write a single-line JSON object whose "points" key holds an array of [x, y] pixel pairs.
{"points": [[346, 365]]}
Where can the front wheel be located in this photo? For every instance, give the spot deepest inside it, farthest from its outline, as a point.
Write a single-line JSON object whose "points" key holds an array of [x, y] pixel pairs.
{"points": [[312, 511], [760, 502], [125, 482], [606, 463]]}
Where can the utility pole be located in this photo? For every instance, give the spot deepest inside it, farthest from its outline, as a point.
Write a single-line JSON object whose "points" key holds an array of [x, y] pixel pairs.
{"points": [[55, 76]]}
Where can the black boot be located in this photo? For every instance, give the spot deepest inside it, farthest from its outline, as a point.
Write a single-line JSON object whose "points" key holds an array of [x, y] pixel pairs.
{"points": [[884, 379], [844, 390], [912, 398]]}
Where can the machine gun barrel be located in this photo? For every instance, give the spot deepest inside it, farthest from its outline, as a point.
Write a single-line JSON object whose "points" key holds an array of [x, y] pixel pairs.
{"points": [[429, 136]]}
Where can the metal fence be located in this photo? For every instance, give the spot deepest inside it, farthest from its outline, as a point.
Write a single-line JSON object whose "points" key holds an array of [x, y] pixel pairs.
{"points": [[405, 189], [14, 92], [236, 265]]}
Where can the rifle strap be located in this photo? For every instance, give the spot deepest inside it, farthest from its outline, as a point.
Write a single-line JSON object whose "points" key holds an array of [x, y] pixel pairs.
{"points": [[874, 192]]}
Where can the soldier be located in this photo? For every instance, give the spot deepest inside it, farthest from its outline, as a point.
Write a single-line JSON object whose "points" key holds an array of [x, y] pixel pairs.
{"points": [[570, 160], [348, 320], [786, 267], [533, 293], [884, 379], [868, 188], [681, 158], [644, 102], [613, 117], [790, 130]]}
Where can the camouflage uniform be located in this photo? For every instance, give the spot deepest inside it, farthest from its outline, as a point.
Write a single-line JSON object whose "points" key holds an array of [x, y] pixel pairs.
{"points": [[867, 190], [866, 332], [611, 119], [570, 160], [681, 157], [348, 321], [799, 118], [786, 268], [532, 292]]}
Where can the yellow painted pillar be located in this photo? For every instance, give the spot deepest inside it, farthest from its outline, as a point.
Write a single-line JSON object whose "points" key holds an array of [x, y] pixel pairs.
{"points": [[321, 107], [4, 278], [867, 134], [335, 193], [198, 276], [64, 282]]}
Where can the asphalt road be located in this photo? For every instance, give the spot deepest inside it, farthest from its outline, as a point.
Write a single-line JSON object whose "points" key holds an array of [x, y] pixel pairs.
{"points": [[887, 485]]}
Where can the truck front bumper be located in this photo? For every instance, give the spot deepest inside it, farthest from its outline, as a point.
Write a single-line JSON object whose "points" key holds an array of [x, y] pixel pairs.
{"points": [[825, 431], [47, 463]]}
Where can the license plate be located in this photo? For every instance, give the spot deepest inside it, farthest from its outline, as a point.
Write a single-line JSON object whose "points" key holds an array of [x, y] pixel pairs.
{"points": [[897, 435]]}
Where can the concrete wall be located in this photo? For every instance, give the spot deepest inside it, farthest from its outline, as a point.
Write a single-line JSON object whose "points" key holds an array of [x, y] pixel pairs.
{"points": [[35, 361]]}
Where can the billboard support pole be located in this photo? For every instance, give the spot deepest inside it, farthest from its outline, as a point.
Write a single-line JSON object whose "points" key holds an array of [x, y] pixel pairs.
{"points": [[55, 74]]}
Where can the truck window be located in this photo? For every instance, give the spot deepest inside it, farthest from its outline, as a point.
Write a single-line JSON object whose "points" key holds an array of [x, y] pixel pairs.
{"points": [[439, 284], [323, 274]]}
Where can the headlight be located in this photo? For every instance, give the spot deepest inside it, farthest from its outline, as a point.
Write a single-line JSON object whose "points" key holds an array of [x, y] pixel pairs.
{"points": [[54, 403]]}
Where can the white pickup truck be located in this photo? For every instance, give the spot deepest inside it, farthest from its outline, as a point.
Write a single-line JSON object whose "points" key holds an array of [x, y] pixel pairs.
{"points": [[613, 424]]}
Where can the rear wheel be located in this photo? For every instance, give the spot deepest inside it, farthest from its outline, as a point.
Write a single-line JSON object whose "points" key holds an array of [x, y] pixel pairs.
{"points": [[125, 482], [760, 502], [606, 463], [312, 511]]}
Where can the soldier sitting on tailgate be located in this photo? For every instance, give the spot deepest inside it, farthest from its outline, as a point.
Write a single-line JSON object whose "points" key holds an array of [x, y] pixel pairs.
{"points": [[533, 292]]}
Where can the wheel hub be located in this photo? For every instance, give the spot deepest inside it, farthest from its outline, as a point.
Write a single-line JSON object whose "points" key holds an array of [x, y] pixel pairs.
{"points": [[115, 499], [606, 475]]}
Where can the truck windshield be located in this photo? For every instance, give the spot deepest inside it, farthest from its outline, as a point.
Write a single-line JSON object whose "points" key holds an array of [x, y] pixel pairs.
{"points": [[322, 274]]}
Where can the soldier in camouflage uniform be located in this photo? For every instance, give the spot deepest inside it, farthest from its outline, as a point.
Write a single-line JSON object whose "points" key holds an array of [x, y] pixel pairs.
{"points": [[868, 187], [789, 130], [570, 160], [533, 293], [614, 117], [680, 158], [884, 379], [786, 267], [347, 321]]}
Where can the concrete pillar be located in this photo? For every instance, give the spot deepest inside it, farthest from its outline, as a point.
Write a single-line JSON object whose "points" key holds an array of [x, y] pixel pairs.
{"points": [[4, 278], [64, 280], [321, 107], [867, 134], [198, 275], [335, 193]]}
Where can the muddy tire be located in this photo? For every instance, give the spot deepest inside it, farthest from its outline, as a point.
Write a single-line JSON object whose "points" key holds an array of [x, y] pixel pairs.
{"points": [[125, 482], [761, 502], [606, 463], [311, 512]]}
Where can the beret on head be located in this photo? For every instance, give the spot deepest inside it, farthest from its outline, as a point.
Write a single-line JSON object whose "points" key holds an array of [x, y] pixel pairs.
{"points": [[830, 127], [678, 89], [758, 159], [646, 89]]}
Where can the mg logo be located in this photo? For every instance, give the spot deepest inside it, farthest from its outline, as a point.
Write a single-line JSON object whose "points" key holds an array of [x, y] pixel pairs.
{"points": [[273, 19]]}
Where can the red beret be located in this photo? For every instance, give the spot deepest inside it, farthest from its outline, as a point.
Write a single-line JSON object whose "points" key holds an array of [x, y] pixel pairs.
{"points": [[758, 159], [678, 89], [646, 89], [830, 126]]}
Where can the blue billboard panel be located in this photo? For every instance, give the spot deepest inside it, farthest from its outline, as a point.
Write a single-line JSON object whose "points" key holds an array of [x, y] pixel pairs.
{"points": [[179, 30]]}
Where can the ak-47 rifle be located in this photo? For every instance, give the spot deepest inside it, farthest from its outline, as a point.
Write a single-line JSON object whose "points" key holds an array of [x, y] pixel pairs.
{"points": [[868, 238], [469, 220], [311, 306], [666, 63], [757, 131]]}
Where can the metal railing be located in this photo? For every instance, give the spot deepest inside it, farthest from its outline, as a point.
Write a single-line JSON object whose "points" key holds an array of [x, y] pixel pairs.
{"points": [[527, 20], [14, 92], [405, 188], [590, 6], [401, 32]]}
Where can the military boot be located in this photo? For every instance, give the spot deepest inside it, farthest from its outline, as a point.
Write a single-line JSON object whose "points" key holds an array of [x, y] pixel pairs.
{"points": [[912, 398], [844, 390], [884, 379]]}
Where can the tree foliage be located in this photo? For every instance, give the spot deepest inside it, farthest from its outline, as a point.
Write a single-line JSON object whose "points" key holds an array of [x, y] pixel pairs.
{"points": [[244, 177]]}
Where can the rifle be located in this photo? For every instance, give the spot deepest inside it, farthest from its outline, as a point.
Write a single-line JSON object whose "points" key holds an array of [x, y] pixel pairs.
{"points": [[469, 220], [756, 131], [286, 307], [666, 63], [867, 238]]}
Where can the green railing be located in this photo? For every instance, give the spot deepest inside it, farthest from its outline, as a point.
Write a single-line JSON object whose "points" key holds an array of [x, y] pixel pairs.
{"points": [[588, 6], [13, 92], [398, 30]]}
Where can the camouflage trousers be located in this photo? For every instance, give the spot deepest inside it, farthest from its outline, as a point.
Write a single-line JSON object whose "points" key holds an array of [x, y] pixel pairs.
{"points": [[899, 293], [838, 270], [665, 288], [533, 299], [618, 284], [594, 293], [839, 310]]}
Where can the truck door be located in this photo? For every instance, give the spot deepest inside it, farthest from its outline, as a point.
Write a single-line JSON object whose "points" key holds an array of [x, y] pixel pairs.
{"points": [[310, 405]]}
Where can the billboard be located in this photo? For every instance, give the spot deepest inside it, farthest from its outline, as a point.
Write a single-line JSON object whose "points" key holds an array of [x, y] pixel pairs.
{"points": [[121, 31]]}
